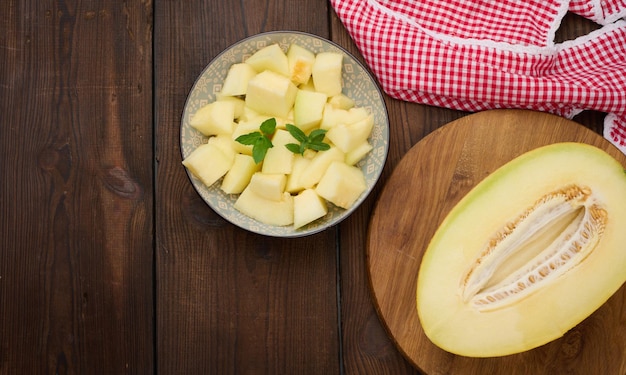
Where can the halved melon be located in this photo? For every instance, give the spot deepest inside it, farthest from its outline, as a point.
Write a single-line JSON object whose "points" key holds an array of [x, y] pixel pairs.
{"points": [[526, 255]]}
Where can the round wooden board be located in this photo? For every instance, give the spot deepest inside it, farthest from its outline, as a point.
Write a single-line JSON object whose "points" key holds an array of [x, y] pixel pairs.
{"points": [[431, 178]]}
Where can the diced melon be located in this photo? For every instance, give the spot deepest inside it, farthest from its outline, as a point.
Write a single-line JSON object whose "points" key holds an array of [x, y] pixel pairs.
{"points": [[289, 117], [239, 174], [341, 101], [270, 58], [308, 109], [357, 114], [278, 158], [208, 163], [236, 81], [268, 186], [214, 118], [308, 86], [341, 184], [239, 103], [335, 116], [271, 212], [326, 73], [348, 137], [248, 113], [300, 61], [358, 153], [297, 87], [309, 154], [318, 165], [308, 207], [300, 164], [225, 143], [527, 254], [271, 94]]}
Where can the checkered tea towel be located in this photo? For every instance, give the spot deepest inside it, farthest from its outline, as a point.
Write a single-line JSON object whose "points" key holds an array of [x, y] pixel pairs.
{"points": [[474, 55]]}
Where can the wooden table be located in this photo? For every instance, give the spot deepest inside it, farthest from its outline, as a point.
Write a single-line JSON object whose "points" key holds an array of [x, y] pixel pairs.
{"points": [[109, 260]]}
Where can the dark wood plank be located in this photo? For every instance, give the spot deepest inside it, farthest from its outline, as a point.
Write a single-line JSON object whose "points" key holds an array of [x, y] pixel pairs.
{"points": [[76, 205], [228, 301], [76, 196]]}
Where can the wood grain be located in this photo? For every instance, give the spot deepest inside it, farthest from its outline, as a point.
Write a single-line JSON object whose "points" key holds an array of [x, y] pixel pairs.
{"points": [[76, 196], [229, 301], [432, 177], [109, 260]]}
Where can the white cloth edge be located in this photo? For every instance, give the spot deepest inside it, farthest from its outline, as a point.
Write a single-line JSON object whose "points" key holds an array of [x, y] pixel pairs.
{"points": [[599, 16], [550, 49]]}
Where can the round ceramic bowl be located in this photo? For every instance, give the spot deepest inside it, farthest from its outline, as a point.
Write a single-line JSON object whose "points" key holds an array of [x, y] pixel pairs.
{"points": [[358, 84]]}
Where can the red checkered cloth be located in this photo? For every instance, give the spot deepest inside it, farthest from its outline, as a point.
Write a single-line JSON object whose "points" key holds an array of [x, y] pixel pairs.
{"points": [[475, 55]]}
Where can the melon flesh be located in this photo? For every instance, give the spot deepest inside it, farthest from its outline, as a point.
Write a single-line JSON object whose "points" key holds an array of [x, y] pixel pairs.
{"points": [[526, 255]]}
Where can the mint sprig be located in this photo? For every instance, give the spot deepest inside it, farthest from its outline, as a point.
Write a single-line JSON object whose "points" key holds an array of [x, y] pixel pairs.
{"points": [[313, 141], [260, 141]]}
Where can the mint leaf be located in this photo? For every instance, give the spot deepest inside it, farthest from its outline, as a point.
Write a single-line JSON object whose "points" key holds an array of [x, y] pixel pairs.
{"points": [[313, 141], [264, 142], [249, 139], [296, 149], [317, 135], [259, 150], [268, 126], [319, 146], [297, 133], [260, 141]]}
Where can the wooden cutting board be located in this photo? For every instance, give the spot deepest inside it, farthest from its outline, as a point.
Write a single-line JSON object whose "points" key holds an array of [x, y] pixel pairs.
{"points": [[431, 178]]}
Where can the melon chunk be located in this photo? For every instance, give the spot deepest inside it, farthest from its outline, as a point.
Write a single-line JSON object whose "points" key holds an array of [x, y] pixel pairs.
{"points": [[267, 211], [308, 109], [341, 184], [240, 174], [271, 94], [341, 101], [225, 144], [527, 254], [236, 81], [307, 207], [270, 58], [278, 158], [300, 164], [348, 137], [357, 153], [268, 186], [326, 73], [300, 61], [208, 163], [214, 118], [318, 165]]}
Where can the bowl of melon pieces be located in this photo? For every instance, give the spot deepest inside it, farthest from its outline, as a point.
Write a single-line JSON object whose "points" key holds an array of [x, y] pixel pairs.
{"points": [[284, 134]]}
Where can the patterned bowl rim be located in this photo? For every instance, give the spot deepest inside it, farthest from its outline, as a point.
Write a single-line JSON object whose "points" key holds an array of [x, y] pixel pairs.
{"points": [[319, 225]]}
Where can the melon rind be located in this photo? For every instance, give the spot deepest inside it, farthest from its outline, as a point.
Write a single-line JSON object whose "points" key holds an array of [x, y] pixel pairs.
{"points": [[547, 314]]}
